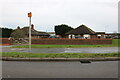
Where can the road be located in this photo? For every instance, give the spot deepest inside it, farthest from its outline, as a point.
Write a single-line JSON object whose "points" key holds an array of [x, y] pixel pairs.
{"points": [[63, 50], [14, 69]]}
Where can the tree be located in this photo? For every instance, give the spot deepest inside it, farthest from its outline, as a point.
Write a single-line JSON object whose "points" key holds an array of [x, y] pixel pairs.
{"points": [[5, 32], [62, 29]]}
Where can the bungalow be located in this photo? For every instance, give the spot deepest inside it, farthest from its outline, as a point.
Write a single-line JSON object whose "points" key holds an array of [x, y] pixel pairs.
{"points": [[113, 35], [84, 32], [24, 33]]}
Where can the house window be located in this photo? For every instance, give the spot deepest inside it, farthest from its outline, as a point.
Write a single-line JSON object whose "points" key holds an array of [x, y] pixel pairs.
{"points": [[86, 36], [99, 36], [71, 36]]}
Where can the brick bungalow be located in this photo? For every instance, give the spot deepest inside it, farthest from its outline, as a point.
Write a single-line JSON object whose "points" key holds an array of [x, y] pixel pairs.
{"points": [[83, 32]]}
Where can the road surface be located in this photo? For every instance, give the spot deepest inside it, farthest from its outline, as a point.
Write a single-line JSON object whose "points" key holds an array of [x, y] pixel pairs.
{"points": [[14, 69], [63, 50]]}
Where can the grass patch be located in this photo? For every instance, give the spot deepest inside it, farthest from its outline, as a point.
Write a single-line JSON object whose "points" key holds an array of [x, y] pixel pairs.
{"points": [[115, 43], [58, 55], [62, 46]]}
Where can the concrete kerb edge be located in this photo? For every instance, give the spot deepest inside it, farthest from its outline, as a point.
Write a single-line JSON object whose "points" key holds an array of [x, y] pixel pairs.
{"points": [[60, 59]]}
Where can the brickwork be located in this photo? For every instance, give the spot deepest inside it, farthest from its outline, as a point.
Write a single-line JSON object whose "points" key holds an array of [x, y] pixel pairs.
{"points": [[6, 41], [72, 41]]}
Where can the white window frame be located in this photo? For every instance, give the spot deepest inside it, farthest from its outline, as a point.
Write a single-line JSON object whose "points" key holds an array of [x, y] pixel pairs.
{"points": [[86, 36]]}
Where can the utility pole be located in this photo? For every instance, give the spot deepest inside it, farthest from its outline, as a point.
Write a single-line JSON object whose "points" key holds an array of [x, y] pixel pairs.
{"points": [[30, 15]]}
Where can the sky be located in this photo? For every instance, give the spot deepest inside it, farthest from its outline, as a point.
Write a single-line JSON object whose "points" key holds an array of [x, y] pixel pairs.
{"points": [[99, 15]]}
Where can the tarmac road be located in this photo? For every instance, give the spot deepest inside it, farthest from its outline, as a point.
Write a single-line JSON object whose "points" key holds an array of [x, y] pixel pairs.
{"points": [[63, 50], [15, 69]]}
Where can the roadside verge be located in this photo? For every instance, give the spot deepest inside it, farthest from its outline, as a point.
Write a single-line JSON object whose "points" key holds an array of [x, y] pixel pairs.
{"points": [[23, 56]]}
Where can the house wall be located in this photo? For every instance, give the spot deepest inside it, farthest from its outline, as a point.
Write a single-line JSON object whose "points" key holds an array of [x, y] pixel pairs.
{"points": [[33, 36], [82, 36], [102, 35], [72, 41], [93, 36]]}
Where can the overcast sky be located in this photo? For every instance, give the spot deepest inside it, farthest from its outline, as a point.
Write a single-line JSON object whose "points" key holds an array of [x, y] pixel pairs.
{"points": [[99, 15]]}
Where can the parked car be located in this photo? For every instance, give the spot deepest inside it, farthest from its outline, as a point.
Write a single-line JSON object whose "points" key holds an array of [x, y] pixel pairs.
{"points": [[53, 37], [78, 36], [116, 37]]}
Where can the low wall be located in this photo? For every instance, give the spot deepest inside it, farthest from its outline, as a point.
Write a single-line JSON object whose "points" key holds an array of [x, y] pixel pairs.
{"points": [[72, 41], [5, 41]]}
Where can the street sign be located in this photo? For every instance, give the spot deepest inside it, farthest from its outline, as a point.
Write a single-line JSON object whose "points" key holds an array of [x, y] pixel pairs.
{"points": [[30, 14]]}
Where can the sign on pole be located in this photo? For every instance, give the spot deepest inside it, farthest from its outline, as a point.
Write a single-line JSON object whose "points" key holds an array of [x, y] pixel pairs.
{"points": [[30, 15]]}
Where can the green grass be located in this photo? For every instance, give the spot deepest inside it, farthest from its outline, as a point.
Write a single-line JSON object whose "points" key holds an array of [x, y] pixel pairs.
{"points": [[58, 55], [114, 44], [62, 46]]}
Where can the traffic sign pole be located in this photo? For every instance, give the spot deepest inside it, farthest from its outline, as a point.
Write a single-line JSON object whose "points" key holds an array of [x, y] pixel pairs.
{"points": [[30, 15]]}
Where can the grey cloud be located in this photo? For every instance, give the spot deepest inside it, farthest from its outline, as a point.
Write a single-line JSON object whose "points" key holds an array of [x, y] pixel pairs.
{"points": [[46, 13]]}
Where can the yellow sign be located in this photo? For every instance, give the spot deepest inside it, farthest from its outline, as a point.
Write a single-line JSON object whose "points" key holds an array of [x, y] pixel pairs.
{"points": [[30, 14]]}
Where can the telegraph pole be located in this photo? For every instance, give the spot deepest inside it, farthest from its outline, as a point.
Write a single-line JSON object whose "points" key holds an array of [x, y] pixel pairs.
{"points": [[30, 15]]}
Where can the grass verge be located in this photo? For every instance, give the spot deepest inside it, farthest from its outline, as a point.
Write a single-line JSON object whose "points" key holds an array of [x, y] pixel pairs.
{"points": [[58, 55], [64, 46]]}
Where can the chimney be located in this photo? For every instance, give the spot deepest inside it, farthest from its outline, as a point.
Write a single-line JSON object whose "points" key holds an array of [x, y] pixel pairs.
{"points": [[32, 27], [18, 27]]}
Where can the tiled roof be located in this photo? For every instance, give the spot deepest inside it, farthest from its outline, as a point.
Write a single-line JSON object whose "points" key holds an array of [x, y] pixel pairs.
{"points": [[81, 30], [33, 31]]}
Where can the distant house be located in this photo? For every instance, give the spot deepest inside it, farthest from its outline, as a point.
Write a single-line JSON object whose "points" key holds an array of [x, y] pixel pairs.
{"points": [[51, 33], [100, 34], [113, 35], [84, 32], [24, 33], [81, 32], [116, 35]]}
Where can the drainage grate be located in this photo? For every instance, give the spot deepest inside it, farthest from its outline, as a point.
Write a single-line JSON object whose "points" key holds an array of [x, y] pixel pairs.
{"points": [[85, 61]]}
